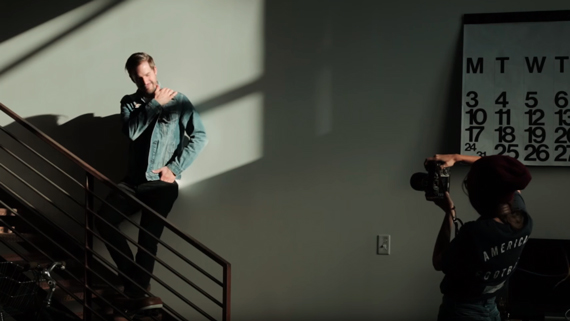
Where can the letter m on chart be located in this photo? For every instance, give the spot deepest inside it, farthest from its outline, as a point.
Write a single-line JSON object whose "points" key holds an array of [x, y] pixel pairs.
{"points": [[475, 67]]}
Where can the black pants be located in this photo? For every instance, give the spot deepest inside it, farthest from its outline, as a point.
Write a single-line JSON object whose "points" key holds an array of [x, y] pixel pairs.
{"points": [[159, 196]]}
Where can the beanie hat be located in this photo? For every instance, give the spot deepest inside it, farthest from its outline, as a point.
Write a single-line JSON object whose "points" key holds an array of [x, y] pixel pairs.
{"points": [[493, 180]]}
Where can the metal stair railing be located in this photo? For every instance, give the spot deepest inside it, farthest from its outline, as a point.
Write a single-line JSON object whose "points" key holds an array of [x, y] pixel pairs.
{"points": [[89, 255]]}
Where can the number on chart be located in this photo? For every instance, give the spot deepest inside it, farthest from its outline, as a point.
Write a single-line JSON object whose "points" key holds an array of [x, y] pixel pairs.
{"points": [[510, 148], [539, 152]]}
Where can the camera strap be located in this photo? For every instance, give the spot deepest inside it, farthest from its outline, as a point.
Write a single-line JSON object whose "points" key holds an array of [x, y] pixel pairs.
{"points": [[457, 221]]}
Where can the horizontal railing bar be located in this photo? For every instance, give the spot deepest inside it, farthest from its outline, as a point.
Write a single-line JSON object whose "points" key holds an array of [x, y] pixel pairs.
{"points": [[114, 268], [75, 297], [94, 292], [65, 289], [40, 175], [28, 260], [157, 279], [172, 314], [32, 244], [42, 217], [100, 296], [21, 236], [38, 192], [88, 168], [161, 242], [102, 316], [40, 156], [202, 248], [159, 260], [20, 198], [69, 292], [178, 315], [115, 308], [13, 249], [40, 232], [50, 258]]}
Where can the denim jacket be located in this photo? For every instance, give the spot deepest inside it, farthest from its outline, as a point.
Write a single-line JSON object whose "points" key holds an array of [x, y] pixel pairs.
{"points": [[171, 135]]}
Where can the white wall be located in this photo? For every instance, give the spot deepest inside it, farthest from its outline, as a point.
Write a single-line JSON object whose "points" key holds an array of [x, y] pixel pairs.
{"points": [[317, 112]]}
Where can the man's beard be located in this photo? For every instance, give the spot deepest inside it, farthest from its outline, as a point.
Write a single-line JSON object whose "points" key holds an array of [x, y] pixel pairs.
{"points": [[149, 91]]}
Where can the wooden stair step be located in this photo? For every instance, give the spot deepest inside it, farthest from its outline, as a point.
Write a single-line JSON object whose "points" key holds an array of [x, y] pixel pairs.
{"points": [[14, 238], [6, 212], [5, 230], [76, 288], [9, 218], [36, 258], [39, 260], [72, 286]]}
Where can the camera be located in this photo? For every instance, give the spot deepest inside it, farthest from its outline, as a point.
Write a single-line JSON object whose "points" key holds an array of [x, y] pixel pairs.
{"points": [[434, 183]]}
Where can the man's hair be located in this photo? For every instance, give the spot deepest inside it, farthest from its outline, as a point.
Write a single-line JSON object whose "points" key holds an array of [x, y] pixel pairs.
{"points": [[135, 60]]}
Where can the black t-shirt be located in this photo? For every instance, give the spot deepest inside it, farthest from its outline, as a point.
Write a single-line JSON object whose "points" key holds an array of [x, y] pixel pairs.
{"points": [[483, 255]]}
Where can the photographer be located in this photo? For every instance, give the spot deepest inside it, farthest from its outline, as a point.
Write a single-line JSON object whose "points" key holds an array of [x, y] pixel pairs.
{"points": [[485, 252]]}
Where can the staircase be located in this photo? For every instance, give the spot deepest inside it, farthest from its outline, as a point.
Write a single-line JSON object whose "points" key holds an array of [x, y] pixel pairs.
{"points": [[46, 215]]}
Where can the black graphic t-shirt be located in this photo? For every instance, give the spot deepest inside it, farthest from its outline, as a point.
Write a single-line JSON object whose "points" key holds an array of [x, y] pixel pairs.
{"points": [[483, 255]]}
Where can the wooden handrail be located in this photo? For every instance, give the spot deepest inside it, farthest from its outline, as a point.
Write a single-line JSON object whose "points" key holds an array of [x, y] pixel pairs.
{"points": [[100, 177]]}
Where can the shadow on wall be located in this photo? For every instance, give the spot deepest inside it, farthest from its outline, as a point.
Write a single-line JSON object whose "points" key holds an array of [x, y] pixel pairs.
{"points": [[13, 11], [96, 140], [16, 15], [449, 137]]}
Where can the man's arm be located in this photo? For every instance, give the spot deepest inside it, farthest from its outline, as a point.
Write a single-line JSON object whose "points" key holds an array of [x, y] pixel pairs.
{"points": [[196, 140], [136, 119]]}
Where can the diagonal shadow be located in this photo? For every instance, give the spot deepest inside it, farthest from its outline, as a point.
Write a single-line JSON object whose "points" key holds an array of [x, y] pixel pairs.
{"points": [[13, 11], [59, 37], [229, 96]]}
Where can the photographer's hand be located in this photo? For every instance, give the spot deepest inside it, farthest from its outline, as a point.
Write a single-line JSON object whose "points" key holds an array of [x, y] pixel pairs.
{"points": [[448, 160]]}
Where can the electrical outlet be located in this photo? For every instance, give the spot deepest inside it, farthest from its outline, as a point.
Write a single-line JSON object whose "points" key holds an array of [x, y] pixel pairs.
{"points": [[383, 244]]}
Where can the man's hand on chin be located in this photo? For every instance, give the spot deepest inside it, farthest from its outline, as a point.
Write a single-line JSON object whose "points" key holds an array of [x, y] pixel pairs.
{"points": [[166, 175]]}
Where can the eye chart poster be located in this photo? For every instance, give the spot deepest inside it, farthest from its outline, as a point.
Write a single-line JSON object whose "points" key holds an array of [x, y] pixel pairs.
{"points": [[516, 87]]}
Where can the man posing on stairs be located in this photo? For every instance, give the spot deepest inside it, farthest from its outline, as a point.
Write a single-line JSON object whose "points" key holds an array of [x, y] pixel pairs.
{"points": [[166, 136]]}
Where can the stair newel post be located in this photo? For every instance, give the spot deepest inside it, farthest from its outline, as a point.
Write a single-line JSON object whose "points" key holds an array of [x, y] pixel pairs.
{"points": [[89, 189], [227, 292]]}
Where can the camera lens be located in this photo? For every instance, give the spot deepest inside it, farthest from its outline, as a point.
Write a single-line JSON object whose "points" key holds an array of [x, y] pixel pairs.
{"points": [[418, 181]]}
